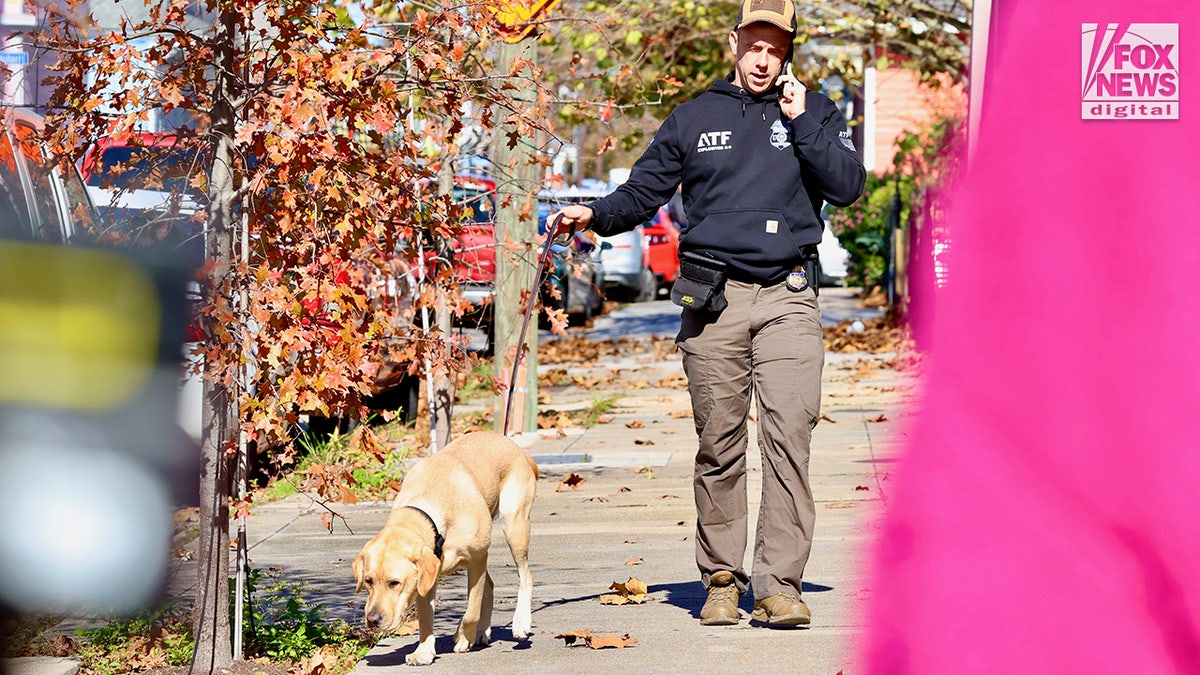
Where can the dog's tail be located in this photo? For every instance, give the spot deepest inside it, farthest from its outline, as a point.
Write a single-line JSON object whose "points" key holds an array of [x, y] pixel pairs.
{"points": [[533, 465]]}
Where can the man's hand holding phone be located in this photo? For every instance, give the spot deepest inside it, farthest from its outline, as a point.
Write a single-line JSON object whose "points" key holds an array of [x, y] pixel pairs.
{"points": [[792, 94]]}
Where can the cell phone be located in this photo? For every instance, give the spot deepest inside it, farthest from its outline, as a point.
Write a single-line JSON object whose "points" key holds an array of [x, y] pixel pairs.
{"points": [[785, 69]]}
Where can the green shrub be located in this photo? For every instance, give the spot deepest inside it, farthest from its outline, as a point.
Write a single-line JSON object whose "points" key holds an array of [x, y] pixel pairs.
{"points": [[863, 228], [281, 625]]}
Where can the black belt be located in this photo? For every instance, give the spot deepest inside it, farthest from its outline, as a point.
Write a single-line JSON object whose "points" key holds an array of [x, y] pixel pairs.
{"points": [[808, 252], [438, 539]]}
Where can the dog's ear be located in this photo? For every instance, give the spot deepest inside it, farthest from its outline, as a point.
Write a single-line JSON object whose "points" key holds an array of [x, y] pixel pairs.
{"points": [[360, 565], [428, 569]]}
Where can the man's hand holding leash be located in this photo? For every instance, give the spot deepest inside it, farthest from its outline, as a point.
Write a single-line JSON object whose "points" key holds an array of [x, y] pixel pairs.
{"points": [[575, 217]]}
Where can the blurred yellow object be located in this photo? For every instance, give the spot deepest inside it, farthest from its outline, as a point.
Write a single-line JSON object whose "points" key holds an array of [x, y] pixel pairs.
{"points": [[79, 328]]}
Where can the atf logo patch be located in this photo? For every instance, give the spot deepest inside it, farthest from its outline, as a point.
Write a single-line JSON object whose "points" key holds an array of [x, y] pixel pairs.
{"points": [[714, 140]]}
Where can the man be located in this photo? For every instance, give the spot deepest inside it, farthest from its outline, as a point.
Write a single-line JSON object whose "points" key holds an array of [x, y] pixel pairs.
{"points": [[757, 157]]}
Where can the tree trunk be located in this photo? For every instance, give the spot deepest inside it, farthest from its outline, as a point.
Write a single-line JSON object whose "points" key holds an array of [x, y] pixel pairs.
{"points": [[517, 180], [211, 621]]}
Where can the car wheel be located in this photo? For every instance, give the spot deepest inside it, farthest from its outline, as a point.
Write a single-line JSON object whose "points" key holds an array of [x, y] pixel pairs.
{"points": [[589, 309], [405, 397]]}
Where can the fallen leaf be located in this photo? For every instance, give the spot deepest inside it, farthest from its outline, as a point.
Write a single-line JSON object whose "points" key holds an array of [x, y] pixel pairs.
{"points": [[840, 505], [624, 489], [597, 498], [572, 481], [636, 424], [640, 441], [597, 641], [827, 418], [617, 641], [680, 414], [861, 487], [682, 522], [630, 541], [634, 590], [633, 561], [668, 497], [646, 470], [878, 418], [571, 636]]}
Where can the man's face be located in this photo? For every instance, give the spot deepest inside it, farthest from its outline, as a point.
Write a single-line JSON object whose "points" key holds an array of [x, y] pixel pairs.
{"points": [[760, 49]]}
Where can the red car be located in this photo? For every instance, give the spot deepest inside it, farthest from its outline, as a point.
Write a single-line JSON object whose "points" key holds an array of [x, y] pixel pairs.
{"points": [[663, 236]]}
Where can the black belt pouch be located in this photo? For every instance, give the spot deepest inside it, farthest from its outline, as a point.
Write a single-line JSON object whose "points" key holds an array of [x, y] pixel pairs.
{"points": [[701, 283]]}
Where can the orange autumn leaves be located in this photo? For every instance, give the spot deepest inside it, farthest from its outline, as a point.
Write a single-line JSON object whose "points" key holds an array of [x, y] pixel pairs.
{"points": [[633, 591]]}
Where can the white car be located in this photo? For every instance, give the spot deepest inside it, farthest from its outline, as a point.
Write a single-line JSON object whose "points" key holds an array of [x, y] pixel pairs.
{"points": [[146, 181], [625, 256]]}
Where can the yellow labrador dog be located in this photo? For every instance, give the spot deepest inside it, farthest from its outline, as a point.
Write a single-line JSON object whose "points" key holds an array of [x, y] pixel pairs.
{"points": [[442, 521]]}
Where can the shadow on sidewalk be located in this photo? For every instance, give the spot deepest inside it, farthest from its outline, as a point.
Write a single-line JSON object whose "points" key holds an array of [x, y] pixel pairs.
{"points": [[690, 595], [686, 595], [443, 645]]}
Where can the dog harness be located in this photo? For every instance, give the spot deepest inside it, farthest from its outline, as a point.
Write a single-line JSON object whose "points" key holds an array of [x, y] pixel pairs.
{"points": [[438, 539]]}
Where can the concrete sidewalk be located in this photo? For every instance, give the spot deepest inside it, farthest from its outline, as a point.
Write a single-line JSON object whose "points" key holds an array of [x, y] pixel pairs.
{"points": [[632, 516]]}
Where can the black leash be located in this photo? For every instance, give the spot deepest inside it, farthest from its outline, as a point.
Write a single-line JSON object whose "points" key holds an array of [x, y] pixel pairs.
{"points": [[547, 252]]}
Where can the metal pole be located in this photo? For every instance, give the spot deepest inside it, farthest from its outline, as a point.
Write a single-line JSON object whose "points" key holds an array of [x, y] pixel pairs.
{"points": [[433, 436]]}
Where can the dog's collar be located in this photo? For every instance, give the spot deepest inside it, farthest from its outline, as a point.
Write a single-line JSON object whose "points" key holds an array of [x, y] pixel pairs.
{"points": [[438, 539]]}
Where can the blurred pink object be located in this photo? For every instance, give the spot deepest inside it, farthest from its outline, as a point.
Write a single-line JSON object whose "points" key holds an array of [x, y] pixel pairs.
{"points": [[1046, 515]]}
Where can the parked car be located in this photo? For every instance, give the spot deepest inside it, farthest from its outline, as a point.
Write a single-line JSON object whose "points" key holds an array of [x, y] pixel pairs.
{"points": [[625, 256], [39, 201], [573, 284], [149, 185], [662, 237]]}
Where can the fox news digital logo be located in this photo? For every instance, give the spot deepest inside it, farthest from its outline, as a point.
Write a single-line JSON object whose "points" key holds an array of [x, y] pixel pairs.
{"points": [[1131, 71]]}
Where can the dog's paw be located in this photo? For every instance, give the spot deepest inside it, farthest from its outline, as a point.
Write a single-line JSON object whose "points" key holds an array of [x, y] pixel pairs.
{"points": [[419, 658], [462, 646], [484, 638], [522, 626]]}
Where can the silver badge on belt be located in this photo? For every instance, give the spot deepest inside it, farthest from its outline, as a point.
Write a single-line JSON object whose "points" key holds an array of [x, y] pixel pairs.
{"points": [[797, 280]]}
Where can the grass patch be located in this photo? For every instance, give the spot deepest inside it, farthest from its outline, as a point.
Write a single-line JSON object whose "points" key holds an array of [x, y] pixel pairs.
{"points": [[590, 416], [280, 626], [476, 383], [368, 462], [142, 642]]}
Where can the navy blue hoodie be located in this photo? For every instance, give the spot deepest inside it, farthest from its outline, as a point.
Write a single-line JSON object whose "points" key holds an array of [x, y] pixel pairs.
{"points": [[753, 182]]}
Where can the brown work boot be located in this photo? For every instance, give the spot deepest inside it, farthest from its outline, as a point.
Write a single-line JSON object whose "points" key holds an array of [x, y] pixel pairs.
{"points": [[721, 608], [781, 609]]}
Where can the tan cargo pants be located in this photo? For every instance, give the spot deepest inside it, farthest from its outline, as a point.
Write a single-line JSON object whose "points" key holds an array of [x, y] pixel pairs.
{"points": [[767, 343]]}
